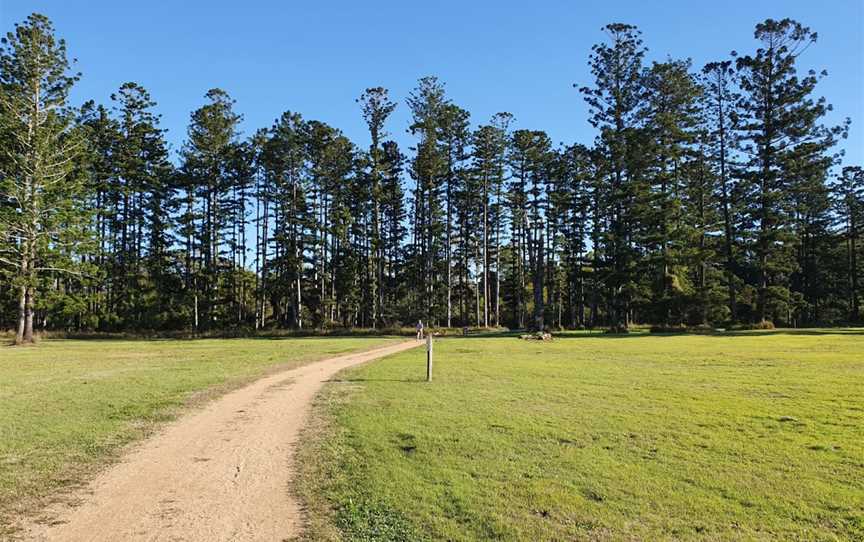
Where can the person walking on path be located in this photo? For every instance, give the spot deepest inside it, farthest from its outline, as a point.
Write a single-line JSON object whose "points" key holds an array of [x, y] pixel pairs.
{"points": [[419, 330]]}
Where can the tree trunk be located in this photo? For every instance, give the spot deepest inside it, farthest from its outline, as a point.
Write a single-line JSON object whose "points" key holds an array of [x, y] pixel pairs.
{"points": [[486, 251], [853, 268], [22, 309], [539, 272], [28, 317]]}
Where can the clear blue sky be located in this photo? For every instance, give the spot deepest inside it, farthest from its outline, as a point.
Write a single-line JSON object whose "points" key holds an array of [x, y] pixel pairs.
{"points": [[316, 57]]}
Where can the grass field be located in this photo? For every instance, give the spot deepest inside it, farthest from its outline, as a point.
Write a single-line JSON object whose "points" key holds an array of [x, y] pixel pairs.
{"points": [[67, 406], [757, 436]]}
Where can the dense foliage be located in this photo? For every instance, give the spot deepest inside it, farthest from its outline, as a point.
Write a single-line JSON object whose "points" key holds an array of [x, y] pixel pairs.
{"points": [[710, 196]]}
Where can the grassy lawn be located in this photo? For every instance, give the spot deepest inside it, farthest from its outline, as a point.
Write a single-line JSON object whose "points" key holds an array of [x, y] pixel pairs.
{"points": [[758, 436], [66, 406]]}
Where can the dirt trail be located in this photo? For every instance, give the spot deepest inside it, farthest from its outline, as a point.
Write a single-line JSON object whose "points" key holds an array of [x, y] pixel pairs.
{"points": [[221, 473]]}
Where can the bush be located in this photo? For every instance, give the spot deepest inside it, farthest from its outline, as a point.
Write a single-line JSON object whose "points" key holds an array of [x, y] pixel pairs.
{"points": [[764, 324]]}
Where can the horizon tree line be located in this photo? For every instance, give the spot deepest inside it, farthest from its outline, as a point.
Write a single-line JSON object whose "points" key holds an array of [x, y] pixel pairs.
{"points": [[709, 196]]}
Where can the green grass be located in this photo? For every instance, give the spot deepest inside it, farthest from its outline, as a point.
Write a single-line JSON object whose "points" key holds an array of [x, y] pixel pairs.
{"points": [[68, 405], [747, 436]]}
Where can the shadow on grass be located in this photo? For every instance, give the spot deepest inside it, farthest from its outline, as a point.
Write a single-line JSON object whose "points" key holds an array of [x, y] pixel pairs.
{"points": [[720, 334], [352, 380], [490, 335], [6, 339], [307, 337], [826, 331], [131, 337]]}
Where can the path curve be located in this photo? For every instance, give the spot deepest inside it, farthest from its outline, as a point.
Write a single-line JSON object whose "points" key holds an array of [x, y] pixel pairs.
{"points": [[221, 473]]}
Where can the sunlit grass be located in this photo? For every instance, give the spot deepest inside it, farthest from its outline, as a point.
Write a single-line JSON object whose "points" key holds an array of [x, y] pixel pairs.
{"points": [[65, 405], [754, 436]]}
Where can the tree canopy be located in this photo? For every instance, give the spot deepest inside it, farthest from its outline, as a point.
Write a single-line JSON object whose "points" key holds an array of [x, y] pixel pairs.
{"points": [[711, 196]]}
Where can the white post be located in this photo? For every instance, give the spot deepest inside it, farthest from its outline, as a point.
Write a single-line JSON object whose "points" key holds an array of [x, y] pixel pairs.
{"points": [[429, 357]]}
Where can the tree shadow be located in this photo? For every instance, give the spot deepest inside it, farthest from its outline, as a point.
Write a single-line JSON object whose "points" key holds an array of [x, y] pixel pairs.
{"points": [[323, 337], [184, 336], [354, 380], [715, 334], [811, 331]]}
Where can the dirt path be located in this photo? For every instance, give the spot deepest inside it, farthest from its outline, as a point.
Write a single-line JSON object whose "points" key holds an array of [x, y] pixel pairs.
{"points": [[221, 473]]}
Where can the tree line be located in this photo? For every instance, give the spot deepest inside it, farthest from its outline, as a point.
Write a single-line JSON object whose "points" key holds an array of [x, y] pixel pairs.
{"points": [[709, 196]]}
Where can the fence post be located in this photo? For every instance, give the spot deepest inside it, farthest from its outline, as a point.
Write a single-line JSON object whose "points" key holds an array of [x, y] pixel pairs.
{"points": [[429, 357]]}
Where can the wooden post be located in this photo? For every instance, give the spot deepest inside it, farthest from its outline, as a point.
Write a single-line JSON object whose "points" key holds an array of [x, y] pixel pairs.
{"points": [[429, 357]]}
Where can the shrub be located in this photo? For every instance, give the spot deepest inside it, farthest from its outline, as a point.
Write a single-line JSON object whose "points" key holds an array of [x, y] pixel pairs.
{"points": [[764, 324]]}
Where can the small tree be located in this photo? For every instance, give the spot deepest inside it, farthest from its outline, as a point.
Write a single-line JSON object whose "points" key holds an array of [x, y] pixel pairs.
{"points": [[41, 212]]}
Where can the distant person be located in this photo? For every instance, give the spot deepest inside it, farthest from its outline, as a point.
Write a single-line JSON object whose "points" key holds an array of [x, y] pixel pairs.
{"points": [[419, 330]]}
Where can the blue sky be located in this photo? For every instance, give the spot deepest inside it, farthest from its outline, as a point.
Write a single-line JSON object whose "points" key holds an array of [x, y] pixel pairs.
{"points": [[317, 57]]}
